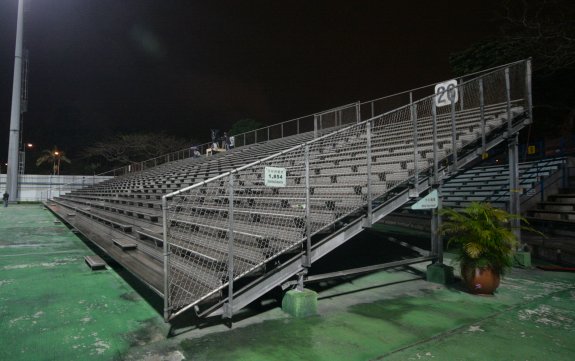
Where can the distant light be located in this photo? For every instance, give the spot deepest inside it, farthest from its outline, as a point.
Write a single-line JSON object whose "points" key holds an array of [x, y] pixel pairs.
{"points": [[29, 145], [56, 153]]}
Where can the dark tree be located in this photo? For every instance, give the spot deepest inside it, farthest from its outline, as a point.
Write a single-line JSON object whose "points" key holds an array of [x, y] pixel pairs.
{"points": [[129, 148], [545, 31], [244, 125]]}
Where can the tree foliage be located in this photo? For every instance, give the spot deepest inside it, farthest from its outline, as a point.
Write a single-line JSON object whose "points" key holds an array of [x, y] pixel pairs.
{"points": [[542, 29], [54, 156], [244, 126], [545, 31], [129, 148]]}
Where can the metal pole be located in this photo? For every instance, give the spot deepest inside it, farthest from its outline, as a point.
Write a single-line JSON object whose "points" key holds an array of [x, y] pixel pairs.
{"points": [[369, 195], [435, 218], [166, 249], [372, 109], [508, 99], [453, 136], [315, 126], [268, 134], [282, 130], [229, 311], [460, 95], [514, 189], [14, 139], [297, 126], [307, 259], [434, 127], [482, 115], [358, 112], [528, 88], [413, 109]]}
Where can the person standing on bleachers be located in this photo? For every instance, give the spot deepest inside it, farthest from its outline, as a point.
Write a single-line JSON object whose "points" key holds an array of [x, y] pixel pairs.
{"points": [[5, 198], [226, 141]]}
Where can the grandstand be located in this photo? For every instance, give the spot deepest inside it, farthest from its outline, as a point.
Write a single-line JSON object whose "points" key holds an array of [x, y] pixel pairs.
{"points": [[214, 233]]}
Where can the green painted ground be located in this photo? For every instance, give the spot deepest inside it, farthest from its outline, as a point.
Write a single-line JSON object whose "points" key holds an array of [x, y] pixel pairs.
{"points": [[52, 306]]}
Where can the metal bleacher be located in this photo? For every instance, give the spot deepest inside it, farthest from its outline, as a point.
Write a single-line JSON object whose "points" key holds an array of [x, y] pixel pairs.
{"points": [[491, 183], [211, 235]]}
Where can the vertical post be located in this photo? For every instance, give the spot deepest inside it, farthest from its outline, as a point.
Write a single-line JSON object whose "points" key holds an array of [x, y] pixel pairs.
{"points": [[228, 309], [16, 110], [268, 134], [482, 117], [434, 130], [315, 126], [436, 241], [514, 189], [297, 126], [282, 130], [413, 109], [460, 94], [166, 250], [369, 190], [453, 136], [307, 258], [508, 100], [528, 89], [358, 112], [372, 109]]}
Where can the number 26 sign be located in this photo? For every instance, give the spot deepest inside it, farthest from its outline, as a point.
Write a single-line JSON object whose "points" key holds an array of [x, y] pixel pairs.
{"points": [[446, 93]]}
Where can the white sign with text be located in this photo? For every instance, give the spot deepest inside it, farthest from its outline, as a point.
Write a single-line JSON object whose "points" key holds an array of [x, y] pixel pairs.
{"points": [[446, 93], [275, 177]]}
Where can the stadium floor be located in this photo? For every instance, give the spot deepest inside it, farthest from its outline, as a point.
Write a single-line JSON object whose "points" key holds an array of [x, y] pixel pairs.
{"points": [[52, 307]]}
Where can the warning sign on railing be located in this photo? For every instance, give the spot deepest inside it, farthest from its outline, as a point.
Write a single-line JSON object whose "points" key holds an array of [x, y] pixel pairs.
{"points": [[274, 177], [430, 201]]}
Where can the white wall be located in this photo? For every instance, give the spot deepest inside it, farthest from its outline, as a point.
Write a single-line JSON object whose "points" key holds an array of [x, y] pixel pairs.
{"points": [[35, 188]]}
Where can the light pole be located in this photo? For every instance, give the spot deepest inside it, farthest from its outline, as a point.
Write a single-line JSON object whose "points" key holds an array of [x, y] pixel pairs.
{"points": [[14, 140]]}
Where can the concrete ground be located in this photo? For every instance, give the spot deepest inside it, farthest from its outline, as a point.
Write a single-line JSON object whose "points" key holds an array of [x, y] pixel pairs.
{"points": [[53, 307]]}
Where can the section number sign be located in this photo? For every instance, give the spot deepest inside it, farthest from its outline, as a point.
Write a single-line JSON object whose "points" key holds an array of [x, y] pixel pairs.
{"points": [[446, 93]]}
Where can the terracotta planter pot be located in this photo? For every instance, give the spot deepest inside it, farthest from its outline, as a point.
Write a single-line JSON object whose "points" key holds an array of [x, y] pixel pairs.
{"points": [[482, 281]]}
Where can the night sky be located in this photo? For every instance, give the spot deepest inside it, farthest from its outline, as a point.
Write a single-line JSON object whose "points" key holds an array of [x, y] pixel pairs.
{"points": [[103, 67]]}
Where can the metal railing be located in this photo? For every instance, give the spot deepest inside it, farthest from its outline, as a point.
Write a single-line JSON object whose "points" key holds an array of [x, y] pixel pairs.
{"points": [[223, 229]]}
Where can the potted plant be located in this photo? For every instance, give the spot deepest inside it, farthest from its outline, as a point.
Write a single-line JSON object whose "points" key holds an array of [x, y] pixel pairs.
{"points": [[484, 241]]}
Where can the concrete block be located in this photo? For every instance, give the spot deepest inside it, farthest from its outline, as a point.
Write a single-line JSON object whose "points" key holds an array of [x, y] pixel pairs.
{"points": [[522, 259], [300, 303], [439, 273]]}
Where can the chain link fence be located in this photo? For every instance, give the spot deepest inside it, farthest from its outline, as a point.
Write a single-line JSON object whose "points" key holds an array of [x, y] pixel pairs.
{"points": [[235, 224]]}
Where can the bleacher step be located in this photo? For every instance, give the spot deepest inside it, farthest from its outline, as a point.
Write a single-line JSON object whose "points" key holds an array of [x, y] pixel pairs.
{"points": [[95, 262]]}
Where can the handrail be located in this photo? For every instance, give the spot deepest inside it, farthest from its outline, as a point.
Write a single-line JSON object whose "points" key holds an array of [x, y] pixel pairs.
{"points": [[228, 173], [123, 170]]}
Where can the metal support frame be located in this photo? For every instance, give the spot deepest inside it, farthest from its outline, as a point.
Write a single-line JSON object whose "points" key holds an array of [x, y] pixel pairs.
{"points": [[513, 152], [436, 240], [228, 307], [413, 110], [166, 250], [528, 88], [306, 262], [482, 115], [369, 219], [508, 100], [514, 187], [454, 165]]}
